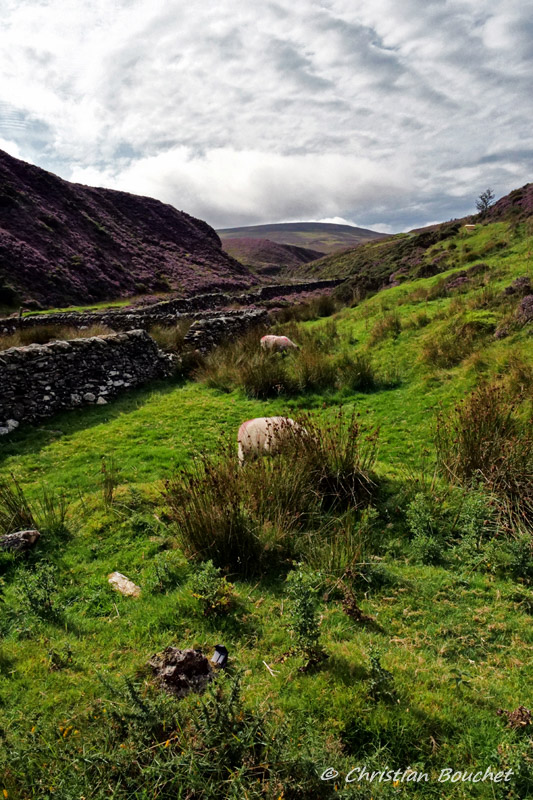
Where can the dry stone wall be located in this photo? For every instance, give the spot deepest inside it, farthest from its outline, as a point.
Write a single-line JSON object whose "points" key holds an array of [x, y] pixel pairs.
{"points": [[38, 380], [166, 313], [206, 333]]}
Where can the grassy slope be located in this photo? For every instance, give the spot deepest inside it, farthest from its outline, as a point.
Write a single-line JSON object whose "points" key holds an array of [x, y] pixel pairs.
{"points": [[433, 621]]}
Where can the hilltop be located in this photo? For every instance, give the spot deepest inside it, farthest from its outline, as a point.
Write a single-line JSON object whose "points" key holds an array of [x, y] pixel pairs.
{"points": [[322, 236], [63, 242], [268, 257]]}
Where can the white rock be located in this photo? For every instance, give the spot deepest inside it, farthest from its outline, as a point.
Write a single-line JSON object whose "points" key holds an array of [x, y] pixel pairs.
{"points": [[89, 397], [12, 424], [101, 401], [123, 585]]}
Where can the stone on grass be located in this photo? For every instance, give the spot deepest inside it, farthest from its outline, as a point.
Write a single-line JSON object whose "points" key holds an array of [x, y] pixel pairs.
{"points": [[19, 541], [181, 671], [123, 585]]}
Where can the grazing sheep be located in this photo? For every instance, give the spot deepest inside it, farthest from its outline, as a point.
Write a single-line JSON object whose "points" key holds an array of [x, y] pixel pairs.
{"points": [[279, 344], [264, 434]]}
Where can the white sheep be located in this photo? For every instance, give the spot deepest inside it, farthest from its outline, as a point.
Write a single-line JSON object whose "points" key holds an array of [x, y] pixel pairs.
{"points": [[264, 435], [277, 343]]}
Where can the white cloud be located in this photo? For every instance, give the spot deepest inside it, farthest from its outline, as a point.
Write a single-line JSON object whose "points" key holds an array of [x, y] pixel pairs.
{"points": [[243, 112]]}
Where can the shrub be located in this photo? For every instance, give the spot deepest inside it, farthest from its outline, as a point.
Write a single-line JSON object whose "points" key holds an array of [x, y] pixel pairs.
{"points": [[484, 440], [37, 592], [165, 572], [381, 683], [216, 595], [303, 614]]}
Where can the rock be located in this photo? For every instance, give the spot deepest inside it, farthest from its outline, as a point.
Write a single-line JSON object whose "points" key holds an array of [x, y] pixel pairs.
{"points": [[4, 431], [12, 424], [19, 541], [181, 671], [524, 311], [123, 585], [101, 401], [89, 397]]}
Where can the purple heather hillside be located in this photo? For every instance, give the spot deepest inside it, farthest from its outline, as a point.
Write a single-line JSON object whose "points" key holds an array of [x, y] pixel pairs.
{"points": [[63, 243], [265, 253]]}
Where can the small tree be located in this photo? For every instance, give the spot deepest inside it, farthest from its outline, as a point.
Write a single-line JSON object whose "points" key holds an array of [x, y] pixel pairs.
{"points": [[485, 200]]}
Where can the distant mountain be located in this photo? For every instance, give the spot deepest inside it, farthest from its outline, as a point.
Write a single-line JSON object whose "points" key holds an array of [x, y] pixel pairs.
{"points": [[63, 243], [267, 257], [323, 236]]}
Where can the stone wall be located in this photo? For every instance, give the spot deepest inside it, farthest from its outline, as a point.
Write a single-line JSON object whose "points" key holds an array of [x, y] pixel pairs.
{"points": [[204, 334], [39, 380], [167, 312]]}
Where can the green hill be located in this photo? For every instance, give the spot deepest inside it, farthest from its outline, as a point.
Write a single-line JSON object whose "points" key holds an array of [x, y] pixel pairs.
{"points": [[417, 588], [325, 237]]}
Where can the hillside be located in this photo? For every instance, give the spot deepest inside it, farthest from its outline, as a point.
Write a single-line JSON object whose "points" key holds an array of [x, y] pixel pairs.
{"points": [[268, 257], [385, 624], [322, 236], [63, 243], [422, 253]]}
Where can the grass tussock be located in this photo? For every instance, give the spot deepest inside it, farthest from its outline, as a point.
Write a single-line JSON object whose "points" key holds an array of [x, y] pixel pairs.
{"points": [[170, 338], [43, 334], [248, 518], [485, 441], [389, 325]]}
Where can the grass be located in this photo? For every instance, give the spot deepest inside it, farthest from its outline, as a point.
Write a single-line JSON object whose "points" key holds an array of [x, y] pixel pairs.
{"points": [[415, 680]]}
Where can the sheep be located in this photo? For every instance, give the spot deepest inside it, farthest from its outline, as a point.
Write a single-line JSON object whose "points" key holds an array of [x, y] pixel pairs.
{"points": [[264, 434], [278, 343]]}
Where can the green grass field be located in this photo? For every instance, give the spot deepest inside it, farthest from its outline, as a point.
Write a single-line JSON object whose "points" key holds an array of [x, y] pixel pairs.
{"points": [[417, 686]]}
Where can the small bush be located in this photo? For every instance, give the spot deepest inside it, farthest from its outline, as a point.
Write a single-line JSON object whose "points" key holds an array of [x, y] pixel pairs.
{"points": [[381, 683], [302, 590], [216, 595], [37, 592]]}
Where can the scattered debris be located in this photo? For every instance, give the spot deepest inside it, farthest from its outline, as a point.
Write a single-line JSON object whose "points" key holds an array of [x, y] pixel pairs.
{"points": [[181, 671], [123, 585], [518, 719], [220, 656], [272, 672], [19, 541]]}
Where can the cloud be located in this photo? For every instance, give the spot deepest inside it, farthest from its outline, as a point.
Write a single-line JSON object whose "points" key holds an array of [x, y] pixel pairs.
{"points": [[286, 110]]}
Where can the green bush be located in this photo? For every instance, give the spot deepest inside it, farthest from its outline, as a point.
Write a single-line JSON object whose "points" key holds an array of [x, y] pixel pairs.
{"points": [[215, 594], [302, 589]]}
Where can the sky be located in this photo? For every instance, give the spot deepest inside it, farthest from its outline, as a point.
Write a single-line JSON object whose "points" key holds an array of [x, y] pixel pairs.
{"points": [[379, 113]]}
